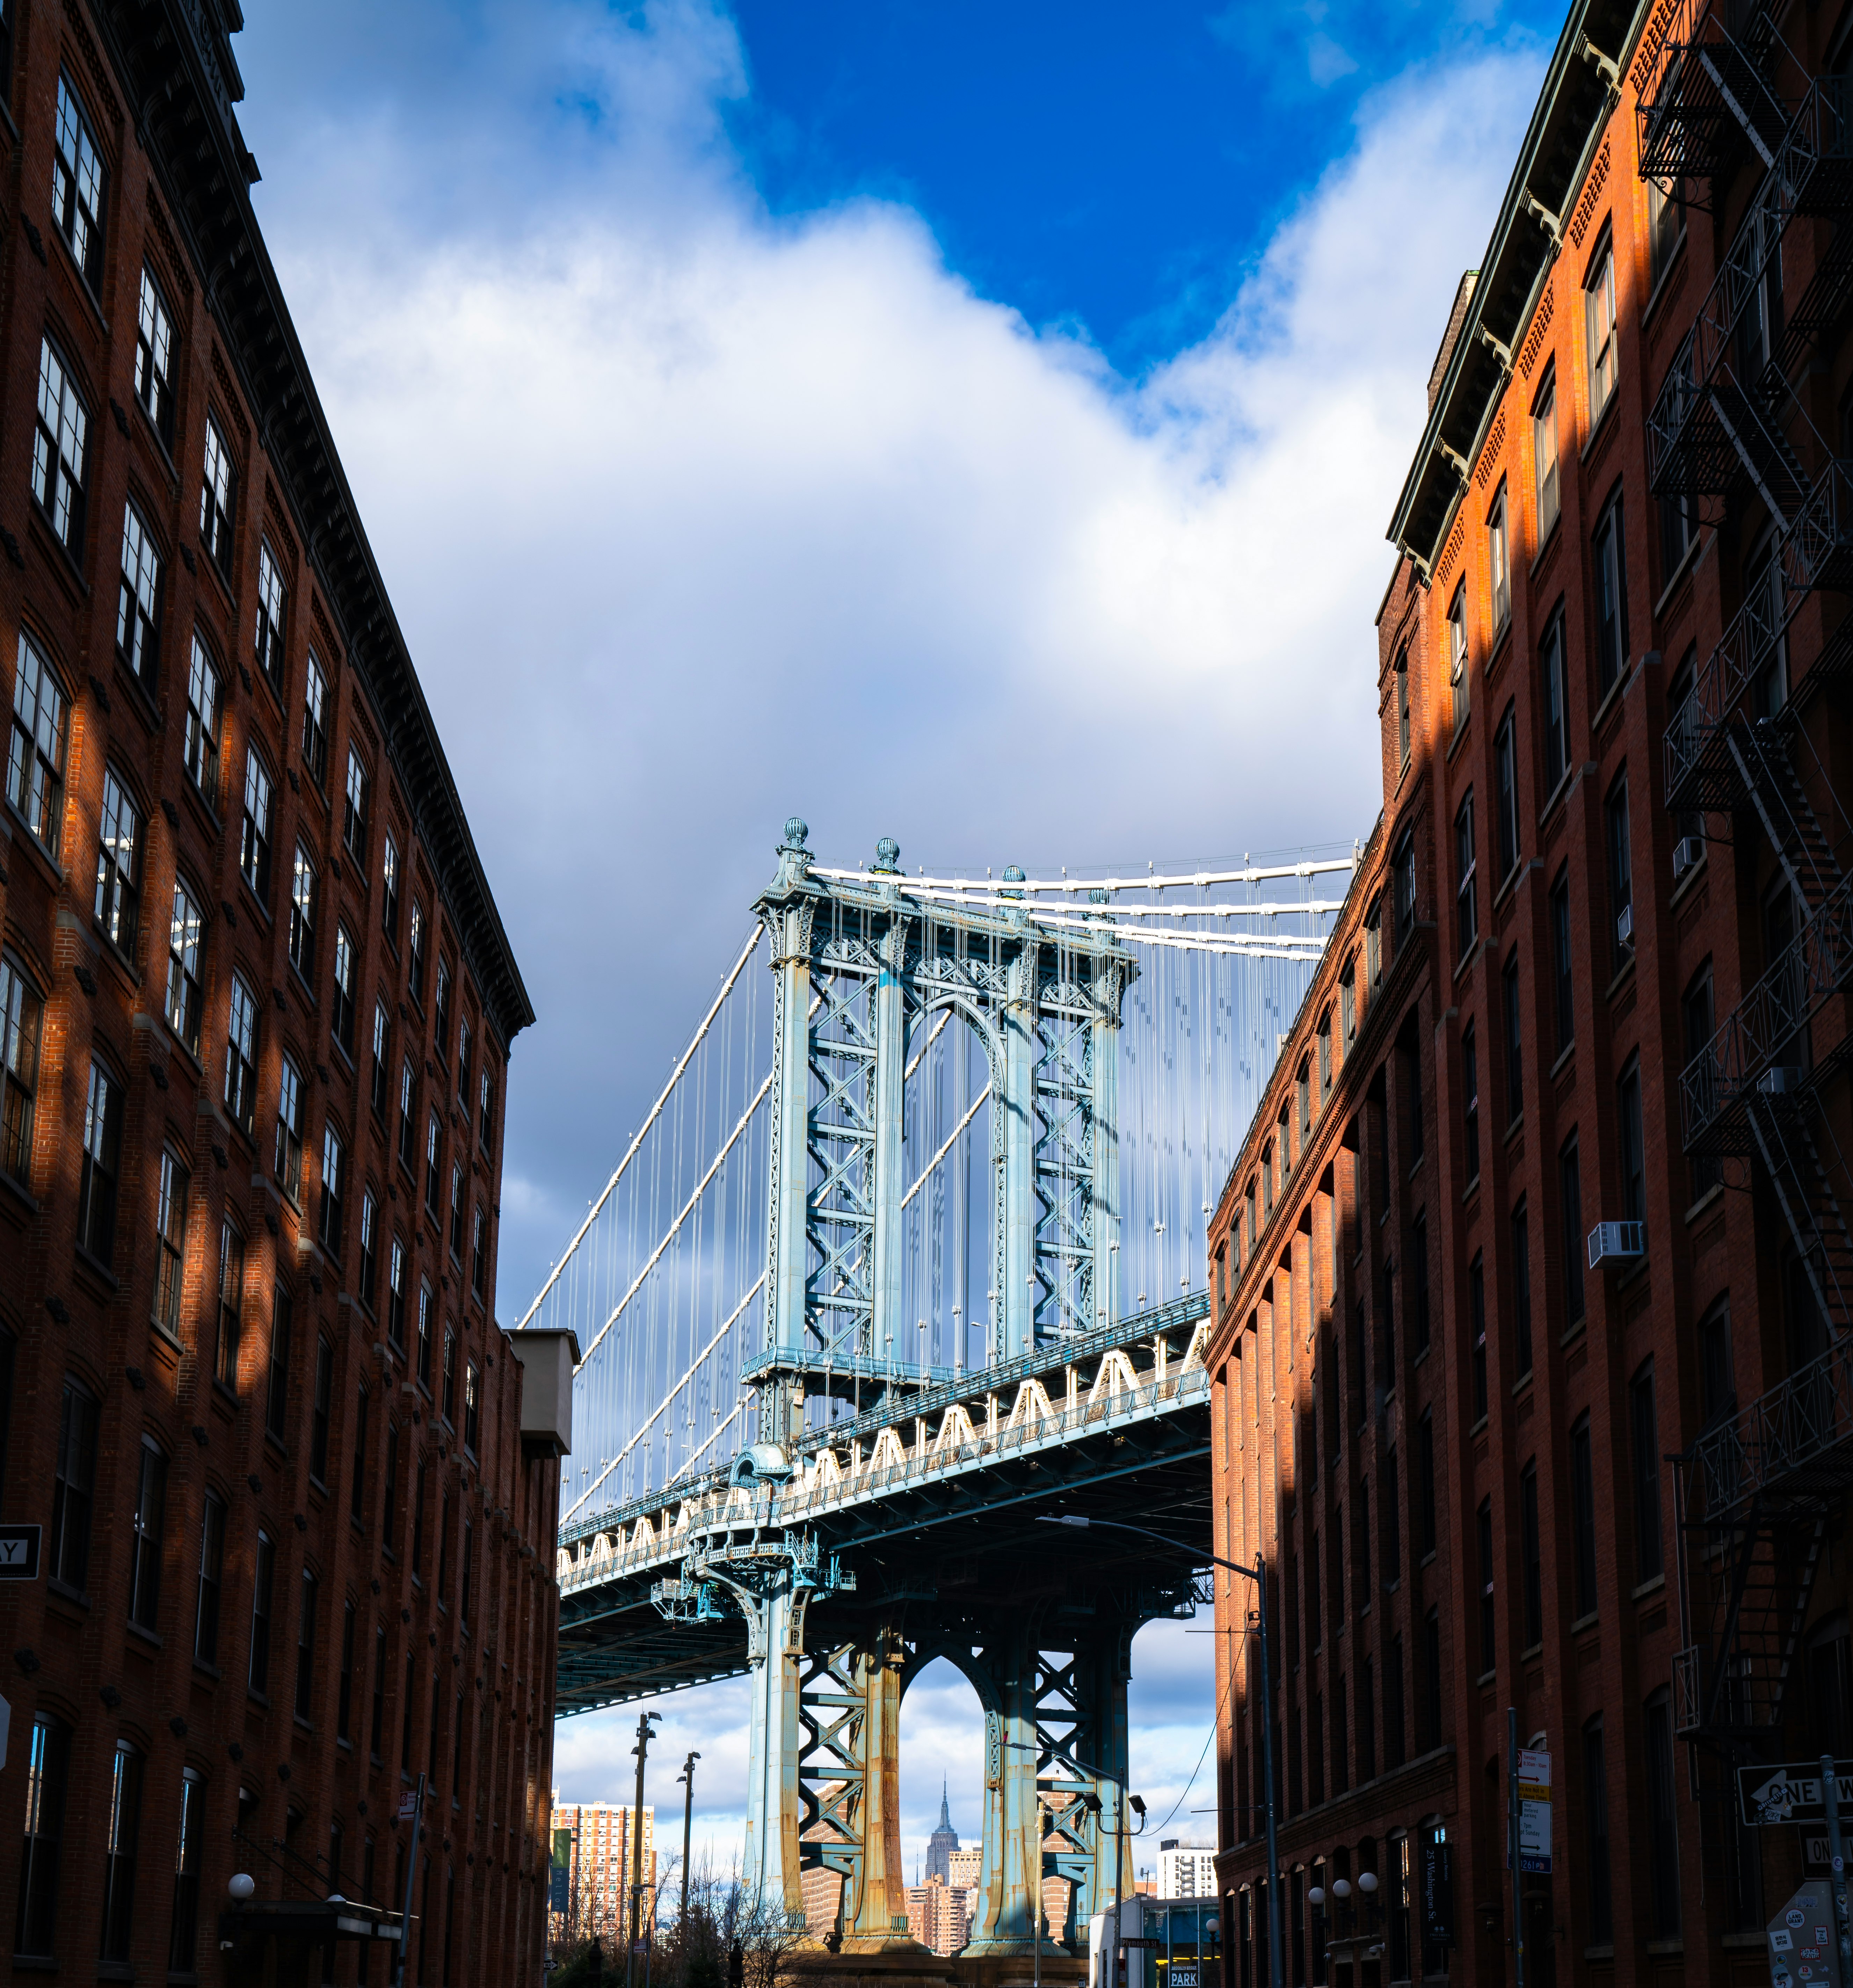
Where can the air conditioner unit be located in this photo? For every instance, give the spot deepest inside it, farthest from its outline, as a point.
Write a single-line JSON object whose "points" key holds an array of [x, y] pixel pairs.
{"points": [[1624, 926], [1688, 852], [1617, 1241], [1782, 1080]]}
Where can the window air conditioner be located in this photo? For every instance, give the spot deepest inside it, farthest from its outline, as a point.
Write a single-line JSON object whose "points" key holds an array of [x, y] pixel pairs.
{"points": [[1688, 852], [1625, 925], [1779, 1082], [1619, 1241]]}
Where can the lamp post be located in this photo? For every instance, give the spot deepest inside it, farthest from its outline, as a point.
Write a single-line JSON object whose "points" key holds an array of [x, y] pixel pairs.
{"points": [[687, 1775], [1258, 1574], [642, 1750]]}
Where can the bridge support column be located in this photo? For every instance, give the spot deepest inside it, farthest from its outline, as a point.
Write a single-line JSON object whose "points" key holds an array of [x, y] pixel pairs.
{"points": [[788, 1243], [1009, 1912], [1016, 1303], [775, 1631], [890, 1329]]}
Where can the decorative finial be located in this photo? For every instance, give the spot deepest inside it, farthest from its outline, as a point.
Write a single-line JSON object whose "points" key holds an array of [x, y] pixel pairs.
{"points": [[796, 830], [887, 856], [1013, 874]]}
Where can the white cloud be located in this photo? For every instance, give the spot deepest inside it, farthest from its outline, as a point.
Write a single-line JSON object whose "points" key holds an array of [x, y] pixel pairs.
{"points": [[694, 515]]}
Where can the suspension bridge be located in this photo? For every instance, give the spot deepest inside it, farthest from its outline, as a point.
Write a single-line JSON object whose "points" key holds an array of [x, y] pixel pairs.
{"points": [[908, 1254]]}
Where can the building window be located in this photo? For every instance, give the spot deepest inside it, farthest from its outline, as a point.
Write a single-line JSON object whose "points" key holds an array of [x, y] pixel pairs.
{"points": [[1595, 1832], [1402, 709], [1466, 907], [344, 1699], [434, 1160], [1505, 766], [456, 1211], [184, 994], [1431, 1676], [302, 914], [414, 960], [1562, 957], [1544, 452], [1521, 1291], [1488, 1610], [395, 1295], [472, 1409], [408, 1101], [440, 1009], [1599, 325], [334, 1189], [1425, 1507], [342, 1018], [1679, 529], [369, 1247], [1666, 225], [479, 1252], [1531, 1555], [78, 182], [258, 1676], [378, 1725], [276, 1402], [1499, 561], [216, 496], [314, 722], [1469, 1092], [305, 1649], [357, 1493], [200, 750], [485, 1111], [60, 444], [1405, 870], [1476, 1329], [118, 868], [21, 1010], [425, 1337], [182, 1943], [34, 764], [1662, 1818], [154, 357], [254, 841], [463, 1079], [1621, 875], [170, 1229], [1457, 653], [47, 1782], [1705, 1168], [1767, 612], [212, 1569], [389, 1503], [378, 1091], [1325, 1056], [73, 1485], [353, 817], [146, 1530], [450, 1376], [389, 889], [1611, 597], [1583, 1515], [138, 604], [288, 1159], [1419, 1326], [1570, 1193], [241, 1056], [231, 1299], [1515, 1061], [1347, 1000], [1632, 1149], [1644, 1427], [102, 1150], [272, 602], [1554, 690]]}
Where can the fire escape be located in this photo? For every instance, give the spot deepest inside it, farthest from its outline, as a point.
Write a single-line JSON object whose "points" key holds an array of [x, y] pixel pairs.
{"points": [[1753, 1492]]}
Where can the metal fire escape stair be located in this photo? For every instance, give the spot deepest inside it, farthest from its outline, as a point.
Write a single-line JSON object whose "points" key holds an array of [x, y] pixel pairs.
{"points": [[1770, 1581], [1760, 752], [1786, 1143], [1713, 94]]}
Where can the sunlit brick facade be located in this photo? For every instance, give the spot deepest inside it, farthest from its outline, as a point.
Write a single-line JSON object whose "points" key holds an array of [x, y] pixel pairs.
{"points": [[258, 1011]]}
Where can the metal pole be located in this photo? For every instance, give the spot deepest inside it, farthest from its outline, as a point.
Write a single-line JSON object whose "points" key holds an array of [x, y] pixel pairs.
{"points": [[688, 1775], [412, 1866], [1518, 1876], [1837, 1866], [640, 1749], [1258, 1575]]}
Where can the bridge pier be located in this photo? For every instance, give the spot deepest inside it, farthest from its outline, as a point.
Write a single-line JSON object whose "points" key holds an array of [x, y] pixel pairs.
{"points": [[775, 1630]]}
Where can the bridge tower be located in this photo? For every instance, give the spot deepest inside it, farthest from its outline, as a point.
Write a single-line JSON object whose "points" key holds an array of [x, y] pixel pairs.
{"points": [[862, 968]]}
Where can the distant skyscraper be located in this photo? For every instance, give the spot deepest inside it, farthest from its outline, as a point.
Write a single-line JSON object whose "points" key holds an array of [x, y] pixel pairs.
{"points": [[941, 1845]]}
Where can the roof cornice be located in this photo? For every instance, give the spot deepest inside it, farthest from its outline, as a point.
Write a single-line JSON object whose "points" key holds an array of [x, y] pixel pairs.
{"points": [[1580, 93], [173, 61]]}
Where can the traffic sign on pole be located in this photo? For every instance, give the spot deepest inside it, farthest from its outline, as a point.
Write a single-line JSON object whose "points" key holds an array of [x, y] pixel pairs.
{"points": [[19, 1552], [1770, 1796]]}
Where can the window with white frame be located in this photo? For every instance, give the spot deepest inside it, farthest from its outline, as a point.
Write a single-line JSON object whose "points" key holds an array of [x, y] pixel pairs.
{"points": [[353, 819], [1544, 452], [61, 438], [154, 356], [289, 1160], [138, 604], [254, 835], [1599, 330], [78, 181], [341, 1020], [271, 603], [35, 760], [1499, 560], [334, 1188], [21, 1011], [1457, 653], [118, 900], [218, 487], [184, 965], [315, 721], [199, 751], [171, 1232], [302, 913], [241, 1055]]}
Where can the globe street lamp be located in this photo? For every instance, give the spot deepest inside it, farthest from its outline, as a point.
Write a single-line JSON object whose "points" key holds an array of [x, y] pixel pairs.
{"points": [[1258, 1574]]}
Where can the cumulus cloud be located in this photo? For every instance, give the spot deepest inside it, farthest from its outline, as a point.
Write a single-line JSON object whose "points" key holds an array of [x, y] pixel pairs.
{"points": [[695, 516]]}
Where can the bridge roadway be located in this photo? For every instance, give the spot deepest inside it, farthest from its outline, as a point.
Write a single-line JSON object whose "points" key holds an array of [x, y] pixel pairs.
{"points": [[904, 1533]]}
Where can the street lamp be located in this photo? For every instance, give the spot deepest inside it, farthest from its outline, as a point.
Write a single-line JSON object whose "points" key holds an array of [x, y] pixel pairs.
{"points": [[1258, 1574], [688, 1777]]}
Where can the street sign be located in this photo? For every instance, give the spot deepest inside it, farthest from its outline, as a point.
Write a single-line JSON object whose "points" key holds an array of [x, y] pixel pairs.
{"points": [[1437, 1893], [19, 1552], [1789, 1793], [1534, 1810], [408, 1805], [1803, 1951]]}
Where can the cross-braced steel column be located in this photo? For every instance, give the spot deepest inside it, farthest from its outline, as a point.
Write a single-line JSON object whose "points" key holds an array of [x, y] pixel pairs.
{"points": [[1010, 1867], [1016, 1307], [775, 1628]]}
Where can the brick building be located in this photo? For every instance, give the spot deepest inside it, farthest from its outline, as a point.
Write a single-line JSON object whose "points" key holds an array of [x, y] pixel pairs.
{"points": [[936, 1914], [257, 1008], [602, 1872], [1548, 1187]]}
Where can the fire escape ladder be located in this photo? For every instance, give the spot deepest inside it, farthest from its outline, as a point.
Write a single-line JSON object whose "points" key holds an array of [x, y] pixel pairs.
{"points": [[1760, 751], [1747, 419], [1764, 1584], [1712, 93], [1779, 1124]]}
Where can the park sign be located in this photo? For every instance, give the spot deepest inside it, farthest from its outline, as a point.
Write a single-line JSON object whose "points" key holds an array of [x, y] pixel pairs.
{"points": [[1792, 1792]]}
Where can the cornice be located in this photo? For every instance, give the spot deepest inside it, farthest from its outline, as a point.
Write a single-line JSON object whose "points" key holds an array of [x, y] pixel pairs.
{"points": [[173, 61]]}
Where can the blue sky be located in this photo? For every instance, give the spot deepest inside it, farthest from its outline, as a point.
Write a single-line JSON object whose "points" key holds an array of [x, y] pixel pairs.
{"points": [[976, 425]]}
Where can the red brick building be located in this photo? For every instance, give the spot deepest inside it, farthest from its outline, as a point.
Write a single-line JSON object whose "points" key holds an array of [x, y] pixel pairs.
{"points": [[258, 1005], [1550, 1187]]}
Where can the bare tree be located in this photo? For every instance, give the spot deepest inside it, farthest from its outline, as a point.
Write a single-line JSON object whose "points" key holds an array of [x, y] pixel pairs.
{"points": [[724, 1914]]}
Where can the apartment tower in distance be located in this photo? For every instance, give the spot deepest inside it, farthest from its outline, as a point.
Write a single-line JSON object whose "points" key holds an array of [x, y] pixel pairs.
{"points": [[256, 1004], [1533, 1281]]}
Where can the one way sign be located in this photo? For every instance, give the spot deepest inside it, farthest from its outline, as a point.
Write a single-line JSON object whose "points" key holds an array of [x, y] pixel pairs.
{"points": [[1791, 1793], [19, 1552]]}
